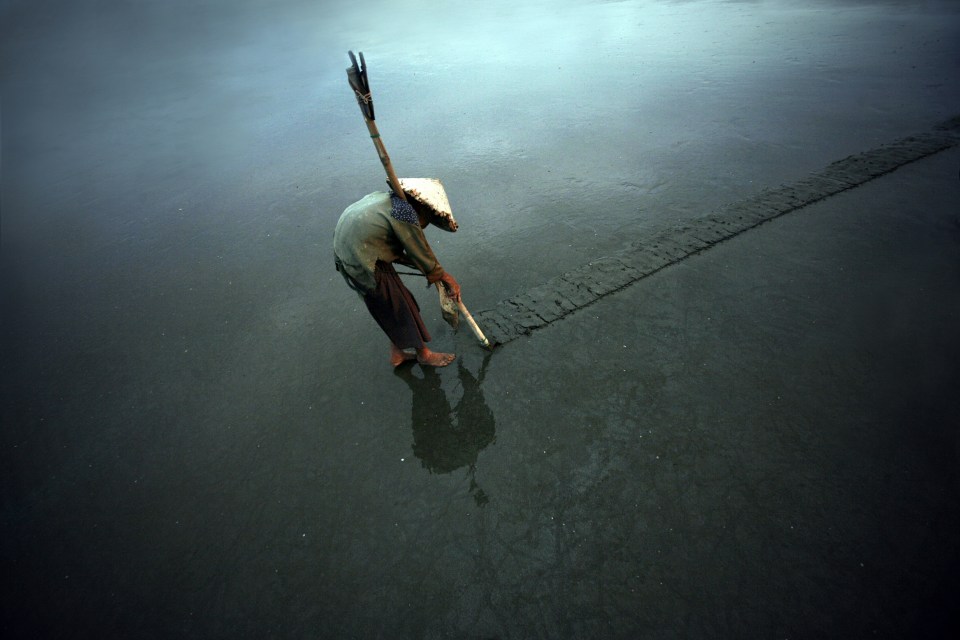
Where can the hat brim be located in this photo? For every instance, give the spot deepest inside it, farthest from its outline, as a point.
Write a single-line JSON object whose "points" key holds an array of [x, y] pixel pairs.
{"points": [[430, 193]]}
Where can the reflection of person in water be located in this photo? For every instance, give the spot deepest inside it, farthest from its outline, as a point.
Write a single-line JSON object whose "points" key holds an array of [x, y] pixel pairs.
{"points": [[443, 439]]}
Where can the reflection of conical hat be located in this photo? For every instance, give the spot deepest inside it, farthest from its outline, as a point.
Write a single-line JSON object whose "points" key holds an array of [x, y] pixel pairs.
{"points": [[430, 192]]}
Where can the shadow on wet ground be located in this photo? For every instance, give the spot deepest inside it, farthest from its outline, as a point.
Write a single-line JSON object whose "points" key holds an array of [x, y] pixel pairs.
{"points": [[446, 439]]}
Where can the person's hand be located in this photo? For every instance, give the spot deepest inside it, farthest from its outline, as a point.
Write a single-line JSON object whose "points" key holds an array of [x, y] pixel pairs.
{"points": [[451, 285]]}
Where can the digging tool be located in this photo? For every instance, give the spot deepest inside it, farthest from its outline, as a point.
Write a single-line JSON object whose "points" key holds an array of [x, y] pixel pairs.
{"points": [[357, 77], [446, 304]]}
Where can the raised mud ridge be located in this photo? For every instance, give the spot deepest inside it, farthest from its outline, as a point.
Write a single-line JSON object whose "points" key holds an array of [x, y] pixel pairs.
{"points": [[564, 294]]}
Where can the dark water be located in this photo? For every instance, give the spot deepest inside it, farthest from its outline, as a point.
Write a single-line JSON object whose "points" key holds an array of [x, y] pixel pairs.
{"points": [[201, 437]]}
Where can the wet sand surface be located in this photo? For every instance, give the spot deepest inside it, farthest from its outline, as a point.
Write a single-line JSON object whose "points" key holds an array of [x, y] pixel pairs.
{"points": [[201, 434]]}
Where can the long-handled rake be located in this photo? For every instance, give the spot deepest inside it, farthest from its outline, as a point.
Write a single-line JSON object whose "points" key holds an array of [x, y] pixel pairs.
{"points": [[357, 77]]}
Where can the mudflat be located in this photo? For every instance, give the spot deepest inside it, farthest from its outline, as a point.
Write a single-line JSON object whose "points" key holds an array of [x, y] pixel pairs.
{"points": [[202, 436]]}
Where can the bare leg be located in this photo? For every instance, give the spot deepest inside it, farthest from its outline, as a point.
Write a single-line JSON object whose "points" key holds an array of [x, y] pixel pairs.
{"points": [[433, 358], [398, 356]]}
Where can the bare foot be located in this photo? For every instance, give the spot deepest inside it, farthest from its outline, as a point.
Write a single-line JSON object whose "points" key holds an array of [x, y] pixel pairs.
{"points": [[399, 356], [428, 358]]}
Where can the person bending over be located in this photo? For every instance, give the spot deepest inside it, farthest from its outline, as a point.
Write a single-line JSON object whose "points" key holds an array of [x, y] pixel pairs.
{"points": [[379, 230]]}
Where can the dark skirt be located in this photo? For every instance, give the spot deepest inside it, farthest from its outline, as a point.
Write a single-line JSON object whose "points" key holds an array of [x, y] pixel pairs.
{"points": [[396, 310]]}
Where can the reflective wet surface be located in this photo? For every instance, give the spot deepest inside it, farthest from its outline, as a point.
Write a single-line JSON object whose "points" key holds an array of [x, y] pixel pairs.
{"points": [[202, 436]]}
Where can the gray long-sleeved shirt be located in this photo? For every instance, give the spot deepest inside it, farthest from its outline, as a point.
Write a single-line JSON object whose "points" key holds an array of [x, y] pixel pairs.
{"points": [[367, 232]]}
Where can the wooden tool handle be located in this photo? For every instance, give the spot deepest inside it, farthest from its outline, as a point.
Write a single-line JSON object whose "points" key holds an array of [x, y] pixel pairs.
{"points": [[473, 325]]}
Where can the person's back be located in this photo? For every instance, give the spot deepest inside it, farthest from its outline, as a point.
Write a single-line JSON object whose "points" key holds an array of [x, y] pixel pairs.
{"points": [[377, 231]]}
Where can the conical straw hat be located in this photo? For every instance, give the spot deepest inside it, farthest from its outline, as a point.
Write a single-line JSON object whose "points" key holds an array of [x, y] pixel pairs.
{"points": [[430, 191]]}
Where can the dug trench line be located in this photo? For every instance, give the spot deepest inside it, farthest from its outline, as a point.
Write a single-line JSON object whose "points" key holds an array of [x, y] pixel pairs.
{"points": [[560, 296]]}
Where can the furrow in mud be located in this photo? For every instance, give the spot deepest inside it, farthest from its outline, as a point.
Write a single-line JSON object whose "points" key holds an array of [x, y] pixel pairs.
{"points": [[575, 289]]}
